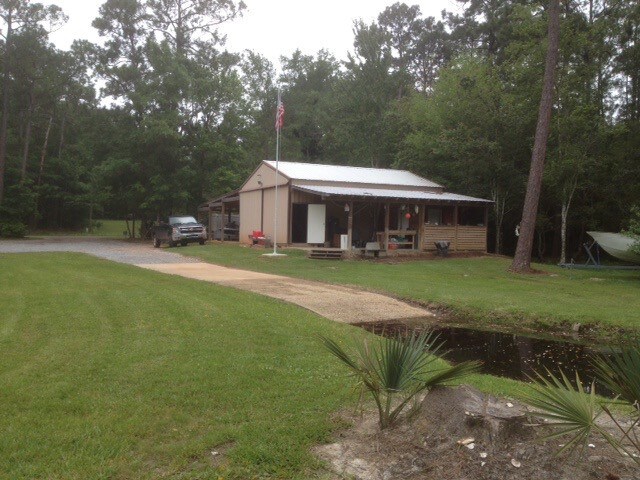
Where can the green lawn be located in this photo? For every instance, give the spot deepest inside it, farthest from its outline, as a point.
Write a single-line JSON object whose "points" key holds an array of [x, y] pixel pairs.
{"points": [[479, 290], [112, 228], [109, 371], [104, 228]]}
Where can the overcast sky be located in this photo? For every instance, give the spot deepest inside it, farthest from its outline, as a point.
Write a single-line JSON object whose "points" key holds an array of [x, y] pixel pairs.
{"points": [[270, 27]]}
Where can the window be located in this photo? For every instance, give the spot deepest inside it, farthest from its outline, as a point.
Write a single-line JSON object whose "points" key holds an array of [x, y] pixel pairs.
{"points": [[471, 216], [434, 216]]}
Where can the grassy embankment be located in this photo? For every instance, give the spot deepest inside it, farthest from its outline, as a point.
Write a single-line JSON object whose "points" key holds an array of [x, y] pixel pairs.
{"points": [[109, 371], [478, 291]]}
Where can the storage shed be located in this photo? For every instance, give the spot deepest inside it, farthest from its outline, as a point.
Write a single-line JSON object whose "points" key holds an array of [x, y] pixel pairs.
{"points": [[324, 204]]}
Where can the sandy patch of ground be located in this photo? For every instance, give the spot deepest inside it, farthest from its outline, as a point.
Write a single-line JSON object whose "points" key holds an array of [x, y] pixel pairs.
{"points": [[506, 445], [338, 303]]}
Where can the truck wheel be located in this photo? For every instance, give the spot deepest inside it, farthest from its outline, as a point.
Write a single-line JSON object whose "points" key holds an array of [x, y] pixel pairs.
{"points": [[172, 243], [201, 242], [156, 242], [183, 243]]}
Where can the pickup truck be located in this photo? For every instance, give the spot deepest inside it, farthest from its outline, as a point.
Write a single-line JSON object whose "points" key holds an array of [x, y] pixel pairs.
{"points": [[179, 230]]}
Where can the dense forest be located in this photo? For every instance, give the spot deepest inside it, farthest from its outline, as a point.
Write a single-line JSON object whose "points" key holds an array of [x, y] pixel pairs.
{"points": [[160, 116]]}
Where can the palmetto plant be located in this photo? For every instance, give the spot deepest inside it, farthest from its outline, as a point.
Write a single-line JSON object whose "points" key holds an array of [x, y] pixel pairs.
{"points": [[394, 371], [574, 411]]}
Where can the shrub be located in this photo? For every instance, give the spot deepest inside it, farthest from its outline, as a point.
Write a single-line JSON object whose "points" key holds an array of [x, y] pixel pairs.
{"points": [[634, 228], [395, 371], [12, 229]]}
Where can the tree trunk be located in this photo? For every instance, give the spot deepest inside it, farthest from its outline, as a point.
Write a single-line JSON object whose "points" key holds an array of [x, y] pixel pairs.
{"points": [[62, 125], [499, 209], [563, 232], [541, 246], [522, 259], [498, 236], [564, 214], [27, 138], [45, 146], [5, 101], [43, 157]]}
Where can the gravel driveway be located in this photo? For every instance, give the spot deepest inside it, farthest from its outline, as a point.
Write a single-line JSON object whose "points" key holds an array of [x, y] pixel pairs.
{"points": [[335, 302], [115, 249]]}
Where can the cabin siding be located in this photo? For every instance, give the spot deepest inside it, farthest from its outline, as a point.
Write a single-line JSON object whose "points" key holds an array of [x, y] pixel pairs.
{"points": [[303, 197], [461, 238], [265, 174], [250, 214], [283, 214]]}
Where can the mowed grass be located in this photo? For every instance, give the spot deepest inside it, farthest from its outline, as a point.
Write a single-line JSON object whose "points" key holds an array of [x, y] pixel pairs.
{"points": [[480, 290], [104, 228], [110, 371], [113, 228]]}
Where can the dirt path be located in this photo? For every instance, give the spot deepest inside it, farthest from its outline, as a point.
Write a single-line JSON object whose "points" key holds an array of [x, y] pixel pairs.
{"points": [[338, 303]]}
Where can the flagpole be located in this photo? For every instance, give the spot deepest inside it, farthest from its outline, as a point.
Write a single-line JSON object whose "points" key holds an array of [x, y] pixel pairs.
{"points": [[275, 208], [279, 122]]}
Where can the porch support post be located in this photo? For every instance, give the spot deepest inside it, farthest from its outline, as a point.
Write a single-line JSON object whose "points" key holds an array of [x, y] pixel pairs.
{"points": [[387, 208], [350, 226], [486, 229], [222, 222], [455, 235], [421, 246]]}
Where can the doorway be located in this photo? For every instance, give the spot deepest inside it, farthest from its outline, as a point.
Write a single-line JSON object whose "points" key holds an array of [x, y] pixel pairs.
{"points": [[308, 223], [299, 220]]}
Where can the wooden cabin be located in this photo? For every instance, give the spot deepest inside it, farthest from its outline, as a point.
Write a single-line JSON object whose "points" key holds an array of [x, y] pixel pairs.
{"points": [[334, 206]]}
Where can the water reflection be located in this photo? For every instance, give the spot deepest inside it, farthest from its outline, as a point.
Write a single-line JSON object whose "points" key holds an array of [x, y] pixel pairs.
{"points": [[504, 354]]}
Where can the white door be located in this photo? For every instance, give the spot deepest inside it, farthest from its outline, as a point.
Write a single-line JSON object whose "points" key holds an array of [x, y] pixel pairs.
{"points": [[316, 218]]}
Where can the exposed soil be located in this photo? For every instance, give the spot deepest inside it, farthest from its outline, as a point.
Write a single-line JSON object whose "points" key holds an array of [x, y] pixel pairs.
{"points": [[506, 445]]}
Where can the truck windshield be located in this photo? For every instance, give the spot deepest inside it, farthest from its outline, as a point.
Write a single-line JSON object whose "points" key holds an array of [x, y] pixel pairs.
{"points": [[181, 220]]}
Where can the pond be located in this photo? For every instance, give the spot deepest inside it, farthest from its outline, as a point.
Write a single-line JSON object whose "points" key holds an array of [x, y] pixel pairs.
{"points": [[506, 354]]}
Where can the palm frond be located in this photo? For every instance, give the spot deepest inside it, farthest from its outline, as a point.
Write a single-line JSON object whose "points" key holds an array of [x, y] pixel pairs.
{"points": [[395, 370], [452, 374], [340, 353], [399, 362], [620, 373], [569, 408]]}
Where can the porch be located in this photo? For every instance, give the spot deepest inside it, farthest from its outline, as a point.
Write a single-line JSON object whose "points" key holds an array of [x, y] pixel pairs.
{"points": [[223, 217], [397, 225]]}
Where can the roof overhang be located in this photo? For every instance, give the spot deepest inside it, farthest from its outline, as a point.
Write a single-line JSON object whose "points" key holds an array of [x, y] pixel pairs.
{"points": [[229, 198], [391, 194]]}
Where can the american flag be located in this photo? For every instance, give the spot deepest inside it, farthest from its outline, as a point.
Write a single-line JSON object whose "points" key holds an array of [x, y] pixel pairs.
{"points": [[279, 115]]}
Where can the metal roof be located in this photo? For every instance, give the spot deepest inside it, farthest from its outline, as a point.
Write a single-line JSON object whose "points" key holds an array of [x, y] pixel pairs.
{"points": [[231, 197], [389, 193], [339, 173]]}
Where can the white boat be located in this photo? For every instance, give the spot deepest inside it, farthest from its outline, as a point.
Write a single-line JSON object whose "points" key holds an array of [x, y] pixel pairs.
{"points": [[617, 245]]}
